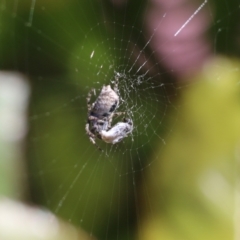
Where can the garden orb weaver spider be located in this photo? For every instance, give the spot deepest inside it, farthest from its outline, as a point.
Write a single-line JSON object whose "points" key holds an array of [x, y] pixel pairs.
{"points": [[100, 116]]}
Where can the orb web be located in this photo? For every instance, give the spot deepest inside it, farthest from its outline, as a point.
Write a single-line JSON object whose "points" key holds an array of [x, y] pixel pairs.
{"points": [[66, 49]]}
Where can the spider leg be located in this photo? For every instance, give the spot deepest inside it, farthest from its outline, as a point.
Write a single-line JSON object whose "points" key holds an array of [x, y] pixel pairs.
{"points": [[94, 143], [89, 105], [89, 133], [115, 87], [92, 137], [116, 114]]}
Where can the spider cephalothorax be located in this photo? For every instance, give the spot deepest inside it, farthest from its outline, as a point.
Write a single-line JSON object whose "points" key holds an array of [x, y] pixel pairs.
{"points": [[101, 113]]}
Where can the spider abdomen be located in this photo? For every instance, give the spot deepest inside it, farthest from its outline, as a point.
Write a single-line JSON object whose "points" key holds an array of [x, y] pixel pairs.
{"points": [[106, 103]]}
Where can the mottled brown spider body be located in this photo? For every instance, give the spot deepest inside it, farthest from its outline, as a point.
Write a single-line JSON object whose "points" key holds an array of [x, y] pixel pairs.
{"points": [[101, 113]]}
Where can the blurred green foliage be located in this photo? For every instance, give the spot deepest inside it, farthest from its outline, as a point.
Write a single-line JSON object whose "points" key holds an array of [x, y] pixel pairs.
{"points": [[194, 188], [192, 181]]}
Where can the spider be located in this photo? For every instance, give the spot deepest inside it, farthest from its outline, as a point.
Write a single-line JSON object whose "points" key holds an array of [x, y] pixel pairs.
{"points": [[101, 113]]}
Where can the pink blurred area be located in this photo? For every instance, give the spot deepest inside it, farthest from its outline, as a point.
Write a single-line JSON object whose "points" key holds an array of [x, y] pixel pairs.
{"points": [[179, 30]]}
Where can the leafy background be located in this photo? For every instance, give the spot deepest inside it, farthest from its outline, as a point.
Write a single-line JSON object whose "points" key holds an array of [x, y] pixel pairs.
{"points": [[191, 188]]}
